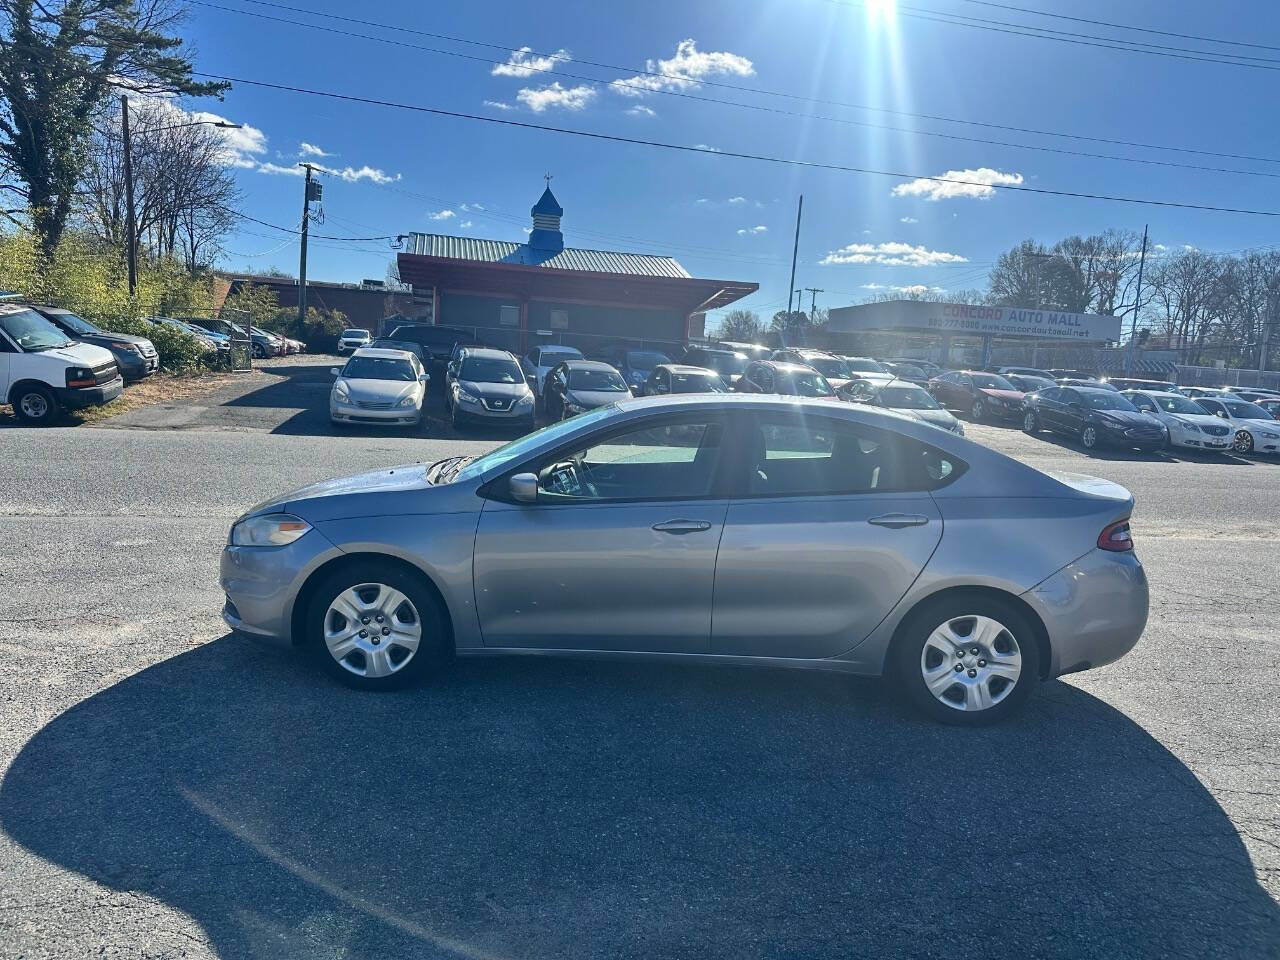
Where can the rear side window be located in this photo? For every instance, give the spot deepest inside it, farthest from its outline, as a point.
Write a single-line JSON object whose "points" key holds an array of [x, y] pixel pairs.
{"points": [[817, 456]]}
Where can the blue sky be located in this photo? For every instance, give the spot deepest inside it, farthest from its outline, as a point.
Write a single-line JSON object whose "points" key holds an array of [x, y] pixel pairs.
{"points": [[396, 172]]}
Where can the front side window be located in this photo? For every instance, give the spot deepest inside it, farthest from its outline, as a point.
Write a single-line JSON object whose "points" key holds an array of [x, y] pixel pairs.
{"points": [[379, 368], [674, 460], [1246, 411], [32, 332], [811, 456], [1053, 394], [1109, 401]]}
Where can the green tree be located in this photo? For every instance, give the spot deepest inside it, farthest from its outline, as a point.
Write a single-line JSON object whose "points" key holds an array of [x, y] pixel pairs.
{"points": [[741, 325], [59, 63], [795, 320]]}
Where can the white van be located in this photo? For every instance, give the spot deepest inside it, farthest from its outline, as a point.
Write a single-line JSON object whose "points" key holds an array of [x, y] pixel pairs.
{"points": [[42, 371]]}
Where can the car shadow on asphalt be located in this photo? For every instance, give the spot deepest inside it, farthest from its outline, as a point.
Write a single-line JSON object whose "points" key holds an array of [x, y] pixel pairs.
{"points": [[549, 808]]}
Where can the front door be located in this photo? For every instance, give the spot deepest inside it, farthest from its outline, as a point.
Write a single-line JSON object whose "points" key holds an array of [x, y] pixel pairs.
{"points": [[618, 552], [831, 524]]}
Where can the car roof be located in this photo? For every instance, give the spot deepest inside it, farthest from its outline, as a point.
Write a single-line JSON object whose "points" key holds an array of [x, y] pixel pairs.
{"points": [[685, 368], [556, 348], [788, 366], [1084, 389], [490, 353], [577, 364], [383, 353], [733, 353]]}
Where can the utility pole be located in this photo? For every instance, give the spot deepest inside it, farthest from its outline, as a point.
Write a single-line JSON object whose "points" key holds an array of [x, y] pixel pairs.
{"points": [[813, 301], [1137, 305], [131, 226], [311, 190], [795, 249]]}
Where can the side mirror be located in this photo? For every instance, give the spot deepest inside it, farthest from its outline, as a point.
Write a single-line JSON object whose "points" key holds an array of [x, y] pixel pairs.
{"points": [[532, 381], [524, 488], [453, 367], [424, 378], [334, 371], [1221, 414]]}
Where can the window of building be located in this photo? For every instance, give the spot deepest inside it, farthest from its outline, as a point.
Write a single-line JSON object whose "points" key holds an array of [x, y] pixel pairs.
{"points": [[508, 316], [559, 319]]}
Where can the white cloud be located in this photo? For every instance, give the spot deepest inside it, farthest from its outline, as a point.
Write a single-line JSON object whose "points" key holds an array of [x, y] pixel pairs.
{"points": [[525, 63], [866, 233], [441, 215], [916, 289], [980, 183], [753, 231], [684, 70], [498, 105], [465, 224], [890, 255], [703, 200], [346, 174], [568, 98], [737, 199], [275, 168], [706, 146], [640, 110], [311, 150], [908, 220]]}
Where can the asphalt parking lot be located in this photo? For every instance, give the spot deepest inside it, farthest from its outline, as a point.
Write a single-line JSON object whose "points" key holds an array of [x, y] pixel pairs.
{"points": [[172, 791]]}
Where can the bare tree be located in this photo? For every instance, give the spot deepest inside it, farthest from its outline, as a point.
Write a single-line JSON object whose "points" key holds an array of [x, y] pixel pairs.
{"points": [[741, 325]]}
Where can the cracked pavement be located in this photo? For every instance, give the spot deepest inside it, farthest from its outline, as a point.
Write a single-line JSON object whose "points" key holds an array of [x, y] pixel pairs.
{"points": [[172, 791]]}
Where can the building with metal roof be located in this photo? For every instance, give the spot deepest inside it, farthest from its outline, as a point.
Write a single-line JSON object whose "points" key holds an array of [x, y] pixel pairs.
{"points": [[518, 295]]}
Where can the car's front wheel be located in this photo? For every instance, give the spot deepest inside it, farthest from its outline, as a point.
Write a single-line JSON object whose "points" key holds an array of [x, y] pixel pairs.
{"points": [[967, 660], [977, 411], [1243, 442], [34, 405], [1089, 436], [1030, 422], [376, 626]]}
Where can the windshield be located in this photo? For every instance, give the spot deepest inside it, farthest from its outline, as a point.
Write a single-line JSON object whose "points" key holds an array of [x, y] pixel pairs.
{"points": [[32, 332], [516, 449], [76, 324], [1172, 403], [1244, 410], [645, 359], [831, 367], [490, 370], [804, 384], [908, 370], [1107, 401], [697, 383], [864, 366], [353, 334], [725, 364], [604, 380], [379, 368], [907, 398], [989, 381]]}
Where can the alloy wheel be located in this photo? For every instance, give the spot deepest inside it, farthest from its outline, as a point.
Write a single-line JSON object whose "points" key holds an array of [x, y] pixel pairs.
{"points": [[34, 405], [971, 663], [1089, 437], [1029, 422], [1243, 442], [977, 410], [372, 630]]}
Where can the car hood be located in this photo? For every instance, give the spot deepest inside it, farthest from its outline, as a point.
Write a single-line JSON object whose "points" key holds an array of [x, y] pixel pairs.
{"points": [[106, 336], [514, 390], [1128, 418], [939, 418], [378, 391], [1271, 426], [406, 477], [78, 352], [595, 398], [1013, 396]]}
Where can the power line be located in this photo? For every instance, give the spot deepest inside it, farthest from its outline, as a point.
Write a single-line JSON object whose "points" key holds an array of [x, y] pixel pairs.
{"points": [[507, 48], [708, 151], [750, 106]]}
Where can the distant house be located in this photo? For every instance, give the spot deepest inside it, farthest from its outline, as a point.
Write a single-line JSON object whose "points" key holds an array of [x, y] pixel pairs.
{"points": [[517, 295], [364, 305]]}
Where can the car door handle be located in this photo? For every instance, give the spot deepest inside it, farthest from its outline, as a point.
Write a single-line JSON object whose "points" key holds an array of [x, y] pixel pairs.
{"points": [[682, 526], [896, 521]]}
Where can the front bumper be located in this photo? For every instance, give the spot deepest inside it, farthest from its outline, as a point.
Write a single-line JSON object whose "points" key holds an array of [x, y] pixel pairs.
{"points": [[1004, 411], [1199, 441], [478, 413], [1094, 610], [262, 583], [77, 398], [134, 366], [393, 416]]}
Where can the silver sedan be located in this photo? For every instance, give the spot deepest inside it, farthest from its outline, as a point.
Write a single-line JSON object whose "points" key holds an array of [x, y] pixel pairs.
{"points": [[730, 528]]}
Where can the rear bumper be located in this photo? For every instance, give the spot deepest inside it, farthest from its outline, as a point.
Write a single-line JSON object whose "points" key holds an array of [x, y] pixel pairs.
{"points": [[1094, 610], [77, 398]]}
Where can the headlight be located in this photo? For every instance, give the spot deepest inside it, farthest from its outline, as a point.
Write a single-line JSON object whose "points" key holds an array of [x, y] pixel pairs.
{"points": [[270, 530], [465, 397], [121, 345], [525, 401], [407, 401], [959, 428], [1271, 436], [341, 393]]}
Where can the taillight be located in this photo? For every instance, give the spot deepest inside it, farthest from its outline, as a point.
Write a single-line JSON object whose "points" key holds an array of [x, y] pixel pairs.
{"points": [[1116, 537]]}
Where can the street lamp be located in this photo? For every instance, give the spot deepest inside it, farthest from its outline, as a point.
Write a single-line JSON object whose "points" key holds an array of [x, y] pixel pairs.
{"points": [[131, 226]]}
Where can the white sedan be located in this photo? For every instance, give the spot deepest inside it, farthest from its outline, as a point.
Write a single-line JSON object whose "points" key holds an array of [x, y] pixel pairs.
{"points": [[537, 363], [378, 386], [1190, 424], [1255, 429]]}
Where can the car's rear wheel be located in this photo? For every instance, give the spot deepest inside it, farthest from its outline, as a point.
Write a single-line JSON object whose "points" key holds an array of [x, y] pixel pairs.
{"points": [[1030, 422], [34, 405], [1089, 436], [376, 626], [968, 660], [978, 410], [1243, 442]]}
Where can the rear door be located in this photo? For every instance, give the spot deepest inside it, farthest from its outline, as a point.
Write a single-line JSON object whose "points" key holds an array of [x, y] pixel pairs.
{"points": [[1070, 411], [829, 525]]}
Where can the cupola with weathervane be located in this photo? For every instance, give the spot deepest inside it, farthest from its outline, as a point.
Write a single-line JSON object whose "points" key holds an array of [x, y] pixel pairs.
{"points": [[546, 235]]}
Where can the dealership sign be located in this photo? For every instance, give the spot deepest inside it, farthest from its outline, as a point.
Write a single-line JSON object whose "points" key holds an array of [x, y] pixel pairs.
{"points": [[965, 319]]}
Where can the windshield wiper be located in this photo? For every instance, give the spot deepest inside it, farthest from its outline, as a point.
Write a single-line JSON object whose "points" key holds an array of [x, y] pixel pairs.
{"points": [[456, 464], [436, 471]]}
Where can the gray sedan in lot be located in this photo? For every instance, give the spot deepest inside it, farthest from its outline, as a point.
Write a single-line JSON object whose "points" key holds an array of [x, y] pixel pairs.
{"points": [[731, 528]]}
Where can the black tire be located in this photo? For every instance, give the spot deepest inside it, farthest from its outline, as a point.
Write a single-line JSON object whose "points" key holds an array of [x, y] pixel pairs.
{"points": [[1030, 422], [435, 645], [1242, 442], [258, 352], [1089, 437], [906, 657], [34, 405]]}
